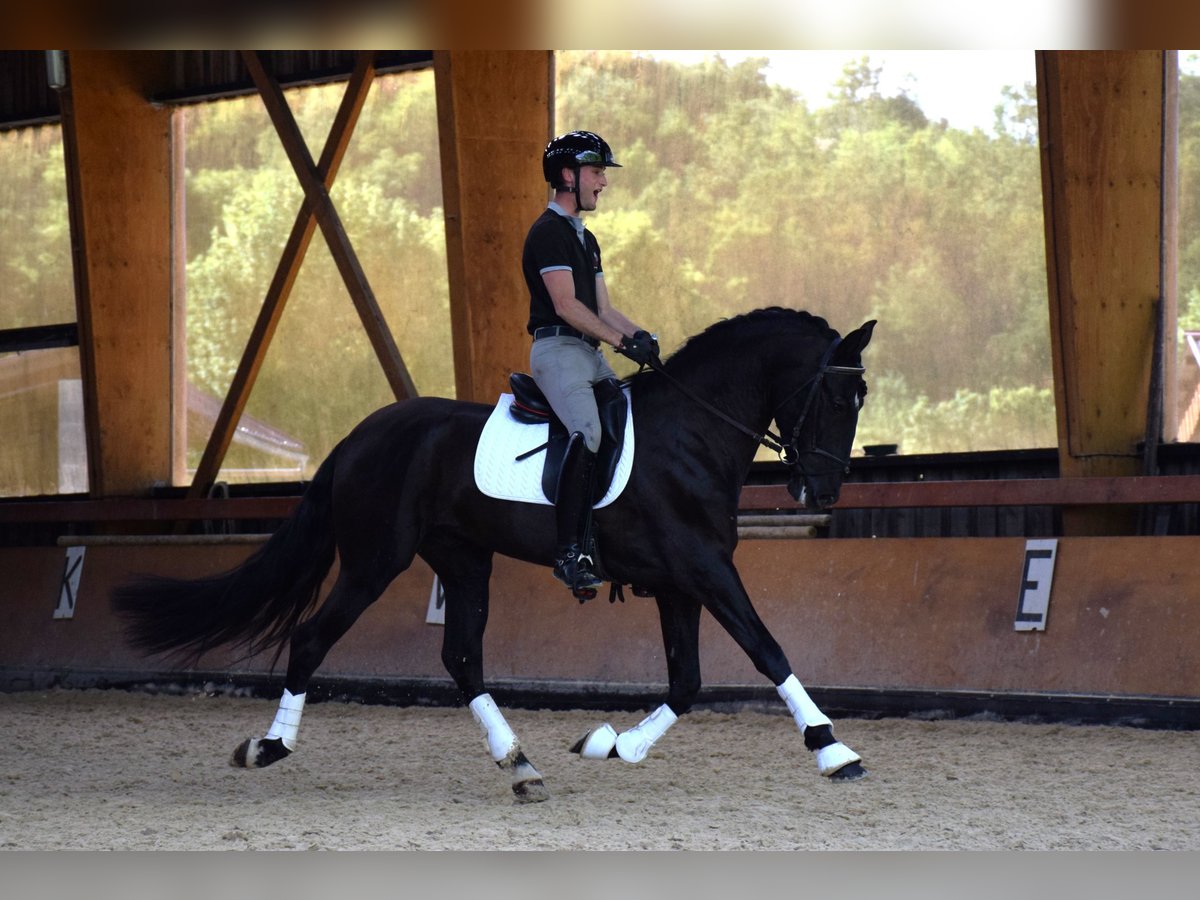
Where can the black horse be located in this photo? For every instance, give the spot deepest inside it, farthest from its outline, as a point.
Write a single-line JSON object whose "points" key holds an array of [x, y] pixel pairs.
{"points": [[401, 485]]}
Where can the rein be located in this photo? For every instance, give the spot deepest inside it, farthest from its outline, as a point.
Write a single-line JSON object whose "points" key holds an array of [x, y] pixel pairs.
{"points": [[789, 453]]}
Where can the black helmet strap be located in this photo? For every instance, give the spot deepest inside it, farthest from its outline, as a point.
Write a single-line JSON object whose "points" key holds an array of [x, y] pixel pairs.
{"points": [[578, 201]]}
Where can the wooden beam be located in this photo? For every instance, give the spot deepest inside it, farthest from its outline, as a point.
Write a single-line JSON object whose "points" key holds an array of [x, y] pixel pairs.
{"points": [[492, 190], [280, 289], [143, 509], [1065, 492], [327, 217], [39, 337], [116, 149], [1101, 116], [179, 305]]}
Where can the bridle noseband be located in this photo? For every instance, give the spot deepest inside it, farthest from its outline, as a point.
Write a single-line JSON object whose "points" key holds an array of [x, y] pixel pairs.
{"points": [[790, 452]]}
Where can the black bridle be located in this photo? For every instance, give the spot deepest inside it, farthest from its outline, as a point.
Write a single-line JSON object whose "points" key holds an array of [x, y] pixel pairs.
{"points": [[790, 452]]}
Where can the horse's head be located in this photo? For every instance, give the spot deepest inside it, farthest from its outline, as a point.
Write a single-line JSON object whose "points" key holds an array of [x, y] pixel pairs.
{"points": [[818, 419]]}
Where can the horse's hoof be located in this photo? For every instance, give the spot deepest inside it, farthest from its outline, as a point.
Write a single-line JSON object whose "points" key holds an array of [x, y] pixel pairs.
{"points": [[258, 753], [527, 784], [851, 772], [599, 743], [532, 791]]}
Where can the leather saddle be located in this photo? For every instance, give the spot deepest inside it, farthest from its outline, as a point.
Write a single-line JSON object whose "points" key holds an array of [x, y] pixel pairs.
{"points": [[529, 406]]}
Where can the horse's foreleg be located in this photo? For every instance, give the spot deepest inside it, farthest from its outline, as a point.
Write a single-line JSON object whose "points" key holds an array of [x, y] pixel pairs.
{"points": [[731, 607], [679, 617], [464, 571], [834, 758]]}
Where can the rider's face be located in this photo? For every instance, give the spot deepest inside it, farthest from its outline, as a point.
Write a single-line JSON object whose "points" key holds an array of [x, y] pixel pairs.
{"points": [[592, 180]]}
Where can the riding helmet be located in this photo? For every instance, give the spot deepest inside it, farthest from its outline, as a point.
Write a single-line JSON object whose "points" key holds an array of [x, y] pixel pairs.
{"points": [[575, 148]]}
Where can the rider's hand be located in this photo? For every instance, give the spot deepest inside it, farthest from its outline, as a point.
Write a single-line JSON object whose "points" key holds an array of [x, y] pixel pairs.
{"points": [[653, 338], [641, 348]]}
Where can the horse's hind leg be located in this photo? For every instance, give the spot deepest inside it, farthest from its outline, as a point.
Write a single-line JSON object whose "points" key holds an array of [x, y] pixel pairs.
{"points": [[310, 642], [464, 571]]}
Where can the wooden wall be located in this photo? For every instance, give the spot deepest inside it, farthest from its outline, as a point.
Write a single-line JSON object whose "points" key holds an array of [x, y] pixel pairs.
{"points": [[922, 614]]}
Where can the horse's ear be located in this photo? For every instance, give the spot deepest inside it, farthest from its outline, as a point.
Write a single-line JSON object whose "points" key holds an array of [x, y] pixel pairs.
{"points": [[856, 341]]}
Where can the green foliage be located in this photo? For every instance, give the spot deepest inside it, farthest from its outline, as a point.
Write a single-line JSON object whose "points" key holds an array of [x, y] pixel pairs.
{"points": [[36, 286], [1189, 203], [320, 376], [734, 195], [998, 417], [861, 209]]}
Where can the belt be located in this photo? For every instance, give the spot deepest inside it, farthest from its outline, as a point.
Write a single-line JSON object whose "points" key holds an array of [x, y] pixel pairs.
{"points": [[563, 331]]}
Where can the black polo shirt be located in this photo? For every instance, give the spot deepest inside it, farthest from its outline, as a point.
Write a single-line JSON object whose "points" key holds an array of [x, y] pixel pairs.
{"points": [[553, 243]]}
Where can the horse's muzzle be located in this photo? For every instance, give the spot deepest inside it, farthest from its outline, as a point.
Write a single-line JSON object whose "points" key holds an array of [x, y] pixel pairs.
{"points": [[815, 498]]}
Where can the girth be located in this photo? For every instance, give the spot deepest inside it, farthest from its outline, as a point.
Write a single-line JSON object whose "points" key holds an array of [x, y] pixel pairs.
{"points": [[530, 407]]}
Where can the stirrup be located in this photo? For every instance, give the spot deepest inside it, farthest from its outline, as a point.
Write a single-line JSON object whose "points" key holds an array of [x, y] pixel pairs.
{"points": [[583, 588], [574, 569]]}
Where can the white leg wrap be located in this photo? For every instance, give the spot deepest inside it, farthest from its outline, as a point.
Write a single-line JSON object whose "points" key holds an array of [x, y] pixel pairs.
{"points": [[634, 744], [500, 738], [287, 719], [835, 757], [800, 705], [598, 742]]}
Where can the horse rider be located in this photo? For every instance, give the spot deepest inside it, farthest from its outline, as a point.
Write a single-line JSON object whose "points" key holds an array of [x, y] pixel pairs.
{"points": [[570, 316]]}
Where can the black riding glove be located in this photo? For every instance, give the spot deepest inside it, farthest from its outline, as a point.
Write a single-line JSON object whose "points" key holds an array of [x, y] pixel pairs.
{"points": [[653, 339], [641, 348]]}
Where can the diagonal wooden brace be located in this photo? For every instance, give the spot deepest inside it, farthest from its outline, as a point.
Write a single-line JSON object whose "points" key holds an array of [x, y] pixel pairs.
{"points": [[285, 276], [344, 257]]}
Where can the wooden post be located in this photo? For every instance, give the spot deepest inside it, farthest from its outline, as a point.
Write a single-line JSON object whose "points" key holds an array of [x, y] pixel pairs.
{"points": [[117, 149], [494, 115], [1102, 129]]}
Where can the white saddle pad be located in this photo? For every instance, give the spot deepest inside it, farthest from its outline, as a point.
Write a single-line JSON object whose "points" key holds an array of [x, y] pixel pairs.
{"points": [[499, 475]]}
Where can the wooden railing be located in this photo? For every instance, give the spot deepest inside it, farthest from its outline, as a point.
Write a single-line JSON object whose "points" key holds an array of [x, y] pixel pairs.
{"points": [[1148, 489], [1136, 489]]}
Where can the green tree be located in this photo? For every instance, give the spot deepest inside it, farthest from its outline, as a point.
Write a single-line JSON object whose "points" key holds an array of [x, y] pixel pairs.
{"points": [[36, 284], [735, 194], [320, 376], [861, 208]]}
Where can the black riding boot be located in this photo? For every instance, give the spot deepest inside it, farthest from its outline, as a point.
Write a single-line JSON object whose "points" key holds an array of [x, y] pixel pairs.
{"points": [[573, 508]]}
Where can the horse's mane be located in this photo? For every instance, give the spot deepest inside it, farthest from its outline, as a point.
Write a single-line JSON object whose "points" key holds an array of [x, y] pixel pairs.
{"points": [[761, 323]]}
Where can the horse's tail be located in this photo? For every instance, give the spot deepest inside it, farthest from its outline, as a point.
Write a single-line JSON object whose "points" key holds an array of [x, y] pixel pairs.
{"points": [[255, 605]]}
